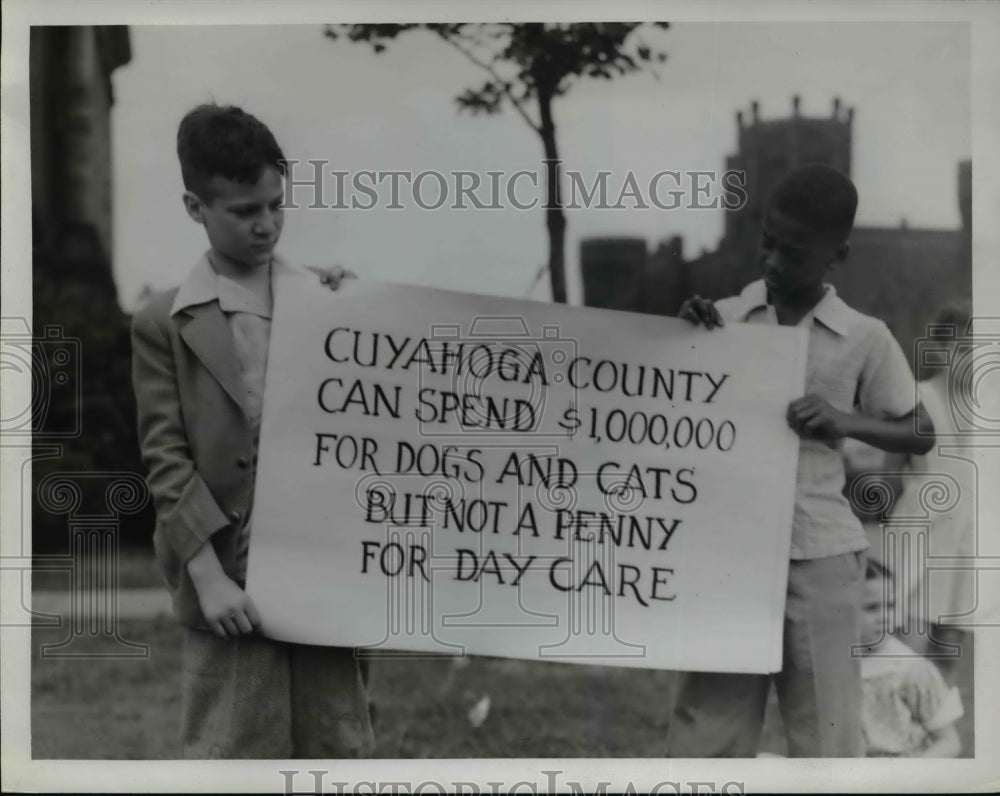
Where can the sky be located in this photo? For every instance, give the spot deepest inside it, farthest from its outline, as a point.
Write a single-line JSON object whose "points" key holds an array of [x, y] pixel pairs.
{"points": [[908, 82]]}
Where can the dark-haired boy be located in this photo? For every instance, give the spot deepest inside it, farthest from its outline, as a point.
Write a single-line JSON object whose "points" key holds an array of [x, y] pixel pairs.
{"points": [[199, 359], [858, 385]]}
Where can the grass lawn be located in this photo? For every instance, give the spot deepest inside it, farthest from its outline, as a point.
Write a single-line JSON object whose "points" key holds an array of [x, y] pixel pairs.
{"points": [[129, 708], [116, 708], [125, 708]]}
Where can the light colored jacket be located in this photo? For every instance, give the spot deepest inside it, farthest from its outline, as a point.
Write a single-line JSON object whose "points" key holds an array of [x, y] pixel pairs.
{"points": [[194, 432]]}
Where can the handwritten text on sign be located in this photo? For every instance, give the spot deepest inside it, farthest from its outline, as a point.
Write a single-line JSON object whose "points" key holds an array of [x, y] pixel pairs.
{"points": [[454, 473]]}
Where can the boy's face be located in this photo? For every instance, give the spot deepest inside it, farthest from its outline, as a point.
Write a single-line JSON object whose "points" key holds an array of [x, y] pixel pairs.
{"points": [[242, 220], [791, 261]]}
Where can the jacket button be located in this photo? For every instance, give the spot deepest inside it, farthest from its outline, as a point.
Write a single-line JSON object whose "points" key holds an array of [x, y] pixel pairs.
{"points": [[243, 462], [234, 516]]}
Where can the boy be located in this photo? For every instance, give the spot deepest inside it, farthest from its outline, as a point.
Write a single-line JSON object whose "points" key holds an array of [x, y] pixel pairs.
{"points": [[907, 709], [858, 385], [199, 359]]}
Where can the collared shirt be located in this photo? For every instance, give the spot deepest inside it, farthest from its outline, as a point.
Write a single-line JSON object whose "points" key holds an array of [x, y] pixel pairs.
{"points": [[856, 365], [249, 319]]}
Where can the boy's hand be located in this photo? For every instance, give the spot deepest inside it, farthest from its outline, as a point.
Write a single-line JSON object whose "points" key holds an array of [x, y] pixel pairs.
{"points": [[229, 610], [334, 275], [702, 311], [813, 418]]}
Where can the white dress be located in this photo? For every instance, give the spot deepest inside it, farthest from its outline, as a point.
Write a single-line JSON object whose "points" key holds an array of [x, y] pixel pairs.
{"points": [[903, 700]]}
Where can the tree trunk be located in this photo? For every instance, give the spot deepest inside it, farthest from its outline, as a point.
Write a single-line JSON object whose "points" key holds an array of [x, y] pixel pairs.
{"points": [[555, 219]]}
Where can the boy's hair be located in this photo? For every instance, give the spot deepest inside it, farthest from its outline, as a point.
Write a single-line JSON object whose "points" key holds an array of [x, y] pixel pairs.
{"points": [[820, 198], [224, 141]]}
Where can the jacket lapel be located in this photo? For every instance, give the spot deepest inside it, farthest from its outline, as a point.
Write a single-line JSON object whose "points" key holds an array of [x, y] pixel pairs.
{"points": [[207, 335]]}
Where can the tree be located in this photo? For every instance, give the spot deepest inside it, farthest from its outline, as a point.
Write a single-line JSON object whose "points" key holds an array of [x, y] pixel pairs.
{"points": [[529, 63]]}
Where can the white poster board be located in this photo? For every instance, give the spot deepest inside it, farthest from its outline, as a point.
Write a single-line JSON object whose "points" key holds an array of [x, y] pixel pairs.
{"points": [[452, 473]]}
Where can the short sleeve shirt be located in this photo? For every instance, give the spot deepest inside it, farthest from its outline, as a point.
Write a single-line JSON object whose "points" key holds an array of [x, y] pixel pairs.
{"points": [[855, 364], [904, 699]]}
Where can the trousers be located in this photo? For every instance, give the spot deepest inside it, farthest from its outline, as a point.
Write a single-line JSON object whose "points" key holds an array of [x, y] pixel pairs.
{"points": [[251, 698], [818, 687]]}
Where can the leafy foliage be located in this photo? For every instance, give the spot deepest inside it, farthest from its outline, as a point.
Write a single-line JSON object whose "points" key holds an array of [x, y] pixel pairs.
{"points": [[526, 61], [531, 63]]}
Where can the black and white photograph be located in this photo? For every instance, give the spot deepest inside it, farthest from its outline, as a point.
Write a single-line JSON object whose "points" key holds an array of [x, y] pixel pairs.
{"points": [[499, 399]]}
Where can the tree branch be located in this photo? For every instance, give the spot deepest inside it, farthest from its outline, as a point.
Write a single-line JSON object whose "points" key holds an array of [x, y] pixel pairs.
{"points": [[496, 76]]}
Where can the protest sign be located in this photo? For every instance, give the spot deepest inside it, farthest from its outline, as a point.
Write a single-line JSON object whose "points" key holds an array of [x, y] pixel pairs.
{"points": [[453, 473]]}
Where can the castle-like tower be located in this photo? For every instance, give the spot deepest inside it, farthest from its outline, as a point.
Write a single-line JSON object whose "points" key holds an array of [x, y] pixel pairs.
{"points": [[766, 150], [899, 274]]}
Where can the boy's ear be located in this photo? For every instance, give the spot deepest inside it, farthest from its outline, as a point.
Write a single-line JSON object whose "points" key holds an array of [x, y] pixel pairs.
{"points": [[842, 251], [193, 205]]}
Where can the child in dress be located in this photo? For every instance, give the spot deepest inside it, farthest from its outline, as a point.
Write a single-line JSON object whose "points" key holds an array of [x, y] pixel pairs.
{"points": [[907, 710]]}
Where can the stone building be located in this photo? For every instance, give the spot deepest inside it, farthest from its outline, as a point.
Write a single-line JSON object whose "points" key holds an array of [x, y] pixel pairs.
{"points": [[900, 274]]}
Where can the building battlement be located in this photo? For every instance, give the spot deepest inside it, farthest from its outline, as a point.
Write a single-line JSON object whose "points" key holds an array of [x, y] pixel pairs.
{"points": [[900, 274]]}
